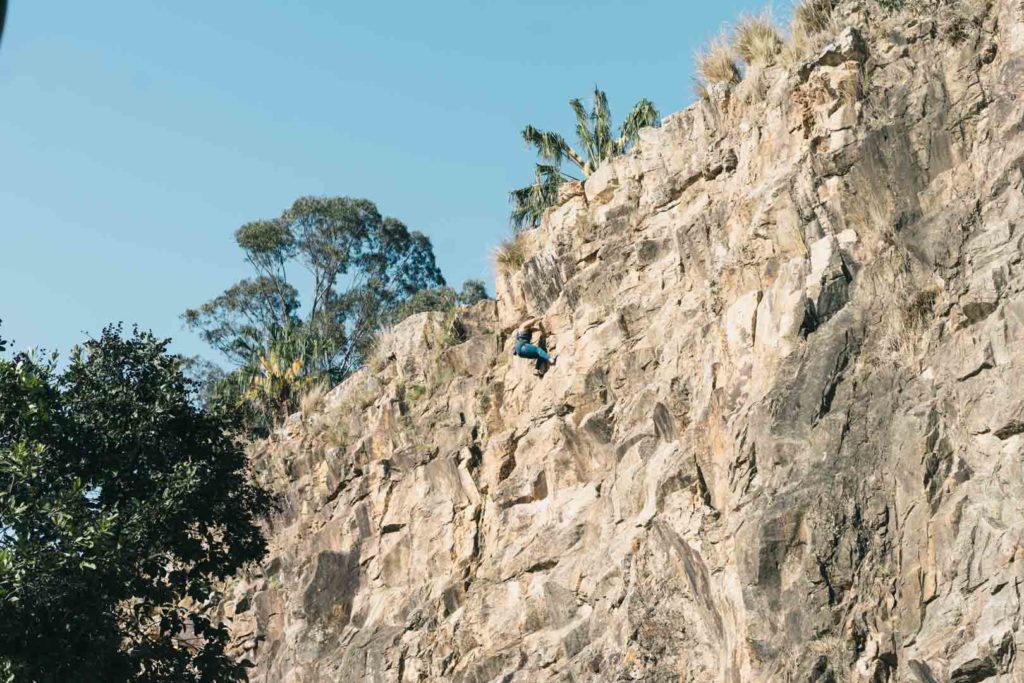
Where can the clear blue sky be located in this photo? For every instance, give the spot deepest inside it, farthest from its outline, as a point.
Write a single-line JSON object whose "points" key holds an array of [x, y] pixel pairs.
{"points": [[136, 135]]}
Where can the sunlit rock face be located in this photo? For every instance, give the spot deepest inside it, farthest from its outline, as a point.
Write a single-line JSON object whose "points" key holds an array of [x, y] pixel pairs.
{"points": [[784, 437]]}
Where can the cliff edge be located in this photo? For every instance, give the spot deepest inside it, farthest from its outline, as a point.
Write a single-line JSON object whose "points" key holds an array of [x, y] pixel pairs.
{"points": [[784, 440]]}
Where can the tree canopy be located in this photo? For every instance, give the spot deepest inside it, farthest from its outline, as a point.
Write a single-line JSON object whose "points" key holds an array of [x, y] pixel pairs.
{"points": [[122, 503], [442, 299], [361, 266], [596, 143]]}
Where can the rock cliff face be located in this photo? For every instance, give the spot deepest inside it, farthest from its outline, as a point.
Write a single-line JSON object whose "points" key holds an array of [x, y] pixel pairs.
{"points": [[784, 440]]}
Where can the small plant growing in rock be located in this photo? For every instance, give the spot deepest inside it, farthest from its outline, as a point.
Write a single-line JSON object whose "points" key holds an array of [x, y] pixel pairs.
{"points": [[414, 392], [336, 436], [509, 256], [312, 401], [919, 311], [758, 42], [363, 397], [717, 63], [814, 23], [380, 353], [442, 377], [813, 16]]}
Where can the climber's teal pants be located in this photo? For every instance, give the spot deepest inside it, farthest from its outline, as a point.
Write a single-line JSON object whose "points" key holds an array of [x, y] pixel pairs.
{"points": [[533, 351]]}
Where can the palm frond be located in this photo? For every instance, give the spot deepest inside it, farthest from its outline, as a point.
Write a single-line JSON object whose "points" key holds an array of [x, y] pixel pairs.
{"points": [[526, 210], [550, 146], [601, 117], [584, 136], [530, 202], [596, 144], [547, 174], [643, 114]]}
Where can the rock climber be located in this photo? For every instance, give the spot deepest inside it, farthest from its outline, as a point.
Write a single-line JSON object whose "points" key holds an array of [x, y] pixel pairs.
{"points": [[525, 349]]}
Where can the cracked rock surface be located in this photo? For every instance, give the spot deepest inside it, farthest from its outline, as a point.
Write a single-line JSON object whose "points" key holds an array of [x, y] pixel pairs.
{"points": [[784, 440]]}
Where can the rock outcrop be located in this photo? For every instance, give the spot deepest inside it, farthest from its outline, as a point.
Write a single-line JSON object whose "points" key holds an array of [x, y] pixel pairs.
{"points": [[784, 440]]}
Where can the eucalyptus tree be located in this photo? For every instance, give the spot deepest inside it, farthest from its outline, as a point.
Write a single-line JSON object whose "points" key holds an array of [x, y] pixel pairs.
{"points": [[359, 267], [595, 143]]}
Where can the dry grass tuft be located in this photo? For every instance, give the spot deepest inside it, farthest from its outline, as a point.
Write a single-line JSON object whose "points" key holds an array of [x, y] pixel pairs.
{"points": [[381, 351], [700, 89], [510, 255], [336, 434], [814, 23], [912, 298], [717, 63], [904, 327], [811, 17], [312, 401], [758, 41], [754, 87]]}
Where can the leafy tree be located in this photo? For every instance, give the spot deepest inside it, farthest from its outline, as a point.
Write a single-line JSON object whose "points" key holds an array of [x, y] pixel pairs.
{"points": [[122, 504], [436, 299], [442, 299], [596, 144], [362, 266], [473, 291]]}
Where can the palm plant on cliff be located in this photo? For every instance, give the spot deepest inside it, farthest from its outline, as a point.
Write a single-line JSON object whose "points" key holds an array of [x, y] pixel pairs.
{"points": [[596, 143]]}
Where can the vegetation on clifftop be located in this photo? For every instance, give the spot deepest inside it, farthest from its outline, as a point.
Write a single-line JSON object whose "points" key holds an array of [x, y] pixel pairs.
{"points": [[362, 266], [596, 143]]}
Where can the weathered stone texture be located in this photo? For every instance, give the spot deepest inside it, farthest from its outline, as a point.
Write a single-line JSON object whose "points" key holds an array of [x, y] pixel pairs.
{"points": [[784, 440]]}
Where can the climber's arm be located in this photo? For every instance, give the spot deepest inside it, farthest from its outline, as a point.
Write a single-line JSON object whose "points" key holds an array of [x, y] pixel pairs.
{"points": [[536, 323]]}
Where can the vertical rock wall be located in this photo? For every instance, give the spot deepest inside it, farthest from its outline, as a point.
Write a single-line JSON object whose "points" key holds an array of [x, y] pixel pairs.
{"points": [[784, 438]]}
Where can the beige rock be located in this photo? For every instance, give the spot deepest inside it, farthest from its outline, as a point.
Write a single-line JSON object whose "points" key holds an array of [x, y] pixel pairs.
{"points": [[784, 438]]}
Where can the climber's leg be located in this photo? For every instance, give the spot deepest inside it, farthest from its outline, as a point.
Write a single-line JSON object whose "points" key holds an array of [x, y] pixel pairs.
{"points": [[534, 351]]}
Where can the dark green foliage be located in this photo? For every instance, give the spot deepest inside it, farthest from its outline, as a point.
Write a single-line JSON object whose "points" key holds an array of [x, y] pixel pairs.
{"points": [[596, 144], [363, 266], [121, 504], [473, 291], [438, 299], [242, 321], [529, 203], [443, 299]]}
